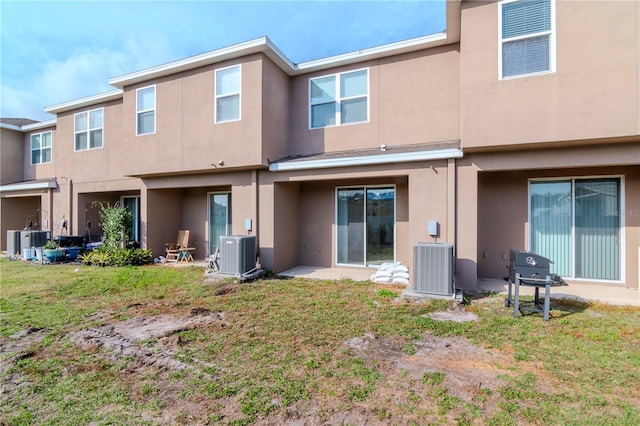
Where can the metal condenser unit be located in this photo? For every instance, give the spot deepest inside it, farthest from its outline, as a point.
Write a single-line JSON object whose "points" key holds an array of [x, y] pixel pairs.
{"points": [[237, 254], [433, 265]]}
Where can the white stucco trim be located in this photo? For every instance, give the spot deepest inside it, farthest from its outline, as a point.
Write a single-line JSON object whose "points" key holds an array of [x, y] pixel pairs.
{"points": [[372, 52], [30, 127], [38, 126], [10, 127], [27, 186], [366, 160], [266, 46], [84, 102]]}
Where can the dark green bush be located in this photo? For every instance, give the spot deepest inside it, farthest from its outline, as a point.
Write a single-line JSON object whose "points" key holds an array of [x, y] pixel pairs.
{"points": [[105, 256]]}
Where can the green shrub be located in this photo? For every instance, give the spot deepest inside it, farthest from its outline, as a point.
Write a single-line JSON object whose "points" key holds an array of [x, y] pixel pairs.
{"points": [[116, 224], [132, 256], [105, 256]]}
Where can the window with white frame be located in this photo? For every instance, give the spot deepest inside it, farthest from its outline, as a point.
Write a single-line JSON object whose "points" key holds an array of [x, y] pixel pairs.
{"points": [[526, 37], [339, 99], [88, 129], [41, 148], [577, 223], [146, 110], [227, 104]]}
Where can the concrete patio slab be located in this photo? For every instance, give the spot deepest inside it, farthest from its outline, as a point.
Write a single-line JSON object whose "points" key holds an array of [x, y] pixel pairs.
{"points": [[608, 294], [338, 273]]}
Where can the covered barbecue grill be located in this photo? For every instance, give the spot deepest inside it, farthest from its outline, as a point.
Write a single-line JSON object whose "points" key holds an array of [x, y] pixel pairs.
{"points": [[531, 269]]}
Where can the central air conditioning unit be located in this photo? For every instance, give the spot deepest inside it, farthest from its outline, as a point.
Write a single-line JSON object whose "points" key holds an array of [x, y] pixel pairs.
{"points": [[433, 265], [14, 246], [30, 239], [237, 254]]}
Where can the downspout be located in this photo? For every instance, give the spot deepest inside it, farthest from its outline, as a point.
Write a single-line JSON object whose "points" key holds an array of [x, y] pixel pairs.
{"points": [[70, 220], [257, 209], [50, 224], [452, 187]]}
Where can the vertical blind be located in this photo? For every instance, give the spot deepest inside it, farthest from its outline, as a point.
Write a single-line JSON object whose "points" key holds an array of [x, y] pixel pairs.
{"points": [[597, 228], [551, 224], [576, 223]]}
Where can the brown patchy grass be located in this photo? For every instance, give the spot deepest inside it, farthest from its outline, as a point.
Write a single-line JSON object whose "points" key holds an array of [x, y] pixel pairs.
{"points": [[301, 352]]}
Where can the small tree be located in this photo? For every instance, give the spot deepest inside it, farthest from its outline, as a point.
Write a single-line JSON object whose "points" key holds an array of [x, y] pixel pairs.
{"points": [[116, 224]]}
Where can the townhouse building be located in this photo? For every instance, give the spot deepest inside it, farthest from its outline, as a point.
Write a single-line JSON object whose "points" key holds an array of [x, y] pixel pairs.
{"points": [[516, 127]]}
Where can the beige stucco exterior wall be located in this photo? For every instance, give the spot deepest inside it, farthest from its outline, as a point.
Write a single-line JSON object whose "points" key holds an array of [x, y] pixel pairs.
{"points": [[493, 200], [307, 199], [40, 171], [186, 136], [275, 112], [12, 153], [594, 92], [413, 98], [288, 220], [93, 165], [16, 211], [502, 211], [181, 202]]}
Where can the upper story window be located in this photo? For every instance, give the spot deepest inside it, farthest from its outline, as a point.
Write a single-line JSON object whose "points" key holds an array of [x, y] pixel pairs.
{"points": [[339, 99], [146, 110], [41, 148], [227, 94], [88, 130], [526, 37]]}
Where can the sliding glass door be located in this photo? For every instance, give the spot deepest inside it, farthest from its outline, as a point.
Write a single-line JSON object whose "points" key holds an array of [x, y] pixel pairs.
{"points": [[219, 218], [365, 225], [576, 223], [132, 203]]}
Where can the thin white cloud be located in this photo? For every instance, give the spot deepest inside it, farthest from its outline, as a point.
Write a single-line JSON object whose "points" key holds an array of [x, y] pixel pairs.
{"points": [[84, 72], [51, 53]]}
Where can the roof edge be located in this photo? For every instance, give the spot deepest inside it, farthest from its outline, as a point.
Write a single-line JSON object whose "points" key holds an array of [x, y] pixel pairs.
{"points": [[29, 127], [257, 45], [40, 125], [437, 154], [389, 49], [29, 185], [86, 101]]}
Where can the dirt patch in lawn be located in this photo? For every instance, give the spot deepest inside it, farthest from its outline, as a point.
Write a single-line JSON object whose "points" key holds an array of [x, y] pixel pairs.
{"points": [[152, 343], [125, 338]]}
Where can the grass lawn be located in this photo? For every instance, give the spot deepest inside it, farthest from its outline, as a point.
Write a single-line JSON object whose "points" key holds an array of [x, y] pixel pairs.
{"points": [[297, 352]]}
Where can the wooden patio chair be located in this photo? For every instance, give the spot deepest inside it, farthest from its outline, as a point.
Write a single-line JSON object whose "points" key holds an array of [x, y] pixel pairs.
{"points": [[180, 250]]}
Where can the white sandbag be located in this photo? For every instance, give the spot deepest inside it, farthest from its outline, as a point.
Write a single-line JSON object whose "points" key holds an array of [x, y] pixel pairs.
{"points": [[400, 275], [385, 276], [388, 265], [382, 280], [398, 268], [400, 281]]}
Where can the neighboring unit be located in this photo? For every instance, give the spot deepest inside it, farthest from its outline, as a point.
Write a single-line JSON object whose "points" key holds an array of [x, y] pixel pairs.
{"points": [[518, 127]]}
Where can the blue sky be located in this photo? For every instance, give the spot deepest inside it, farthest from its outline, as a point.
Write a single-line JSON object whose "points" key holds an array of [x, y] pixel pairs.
{"points": [[57, 51]]}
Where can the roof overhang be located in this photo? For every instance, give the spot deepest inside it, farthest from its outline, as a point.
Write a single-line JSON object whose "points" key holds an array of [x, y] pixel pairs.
{"points": [[347, 160], [265, 46], [29, 185], [10, 127], [85, 102], [258, 45], [39, 126], [30, 127]]}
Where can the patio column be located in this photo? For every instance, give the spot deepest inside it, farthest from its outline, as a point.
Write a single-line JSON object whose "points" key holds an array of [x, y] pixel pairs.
{"points": [[467, 226]]}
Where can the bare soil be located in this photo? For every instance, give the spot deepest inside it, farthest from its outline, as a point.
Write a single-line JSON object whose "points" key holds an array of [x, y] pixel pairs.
{"points": [[150, 344]]}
